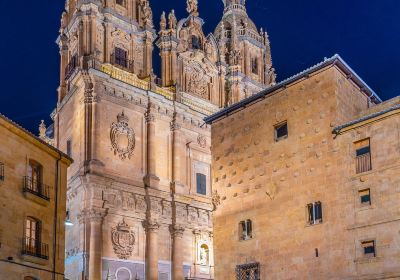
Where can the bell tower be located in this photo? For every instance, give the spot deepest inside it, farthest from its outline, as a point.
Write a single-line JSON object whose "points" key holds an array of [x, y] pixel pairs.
{"points": [[246, 52], [118, 32]]}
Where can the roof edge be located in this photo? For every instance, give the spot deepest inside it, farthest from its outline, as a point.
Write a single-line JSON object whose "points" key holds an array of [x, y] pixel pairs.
{"points": [[334, 60], [34, 137]]}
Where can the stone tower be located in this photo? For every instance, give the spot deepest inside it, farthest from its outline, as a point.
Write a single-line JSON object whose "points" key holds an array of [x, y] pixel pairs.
{"points": [[245, 51], [139, 190]]}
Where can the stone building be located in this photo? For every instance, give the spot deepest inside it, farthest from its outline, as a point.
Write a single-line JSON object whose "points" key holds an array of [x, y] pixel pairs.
{"points": [[33, 183], [139, 191], [307, 173]]}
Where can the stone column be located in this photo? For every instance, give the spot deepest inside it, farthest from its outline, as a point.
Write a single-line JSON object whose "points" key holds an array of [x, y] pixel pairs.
{"points": [[96, 217], [151, 228], [62, 91], [178, 167], [177, 251], [151, 179]]}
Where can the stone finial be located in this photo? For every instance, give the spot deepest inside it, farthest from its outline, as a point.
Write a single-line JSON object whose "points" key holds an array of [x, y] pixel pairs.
{"points": [[163, 21], [192, 7], [42, 130], [172, 20]]}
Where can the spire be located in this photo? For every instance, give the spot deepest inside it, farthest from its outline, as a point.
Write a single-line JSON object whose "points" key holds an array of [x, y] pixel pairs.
{"points": [[192, 7], [163, 22]]}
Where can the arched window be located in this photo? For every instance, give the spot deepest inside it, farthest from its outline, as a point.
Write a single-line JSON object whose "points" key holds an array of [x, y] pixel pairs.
{"points": [[34, 176]]}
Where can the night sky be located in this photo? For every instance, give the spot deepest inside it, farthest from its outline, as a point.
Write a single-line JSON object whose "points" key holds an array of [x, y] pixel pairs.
{"points": [[365, 33]]}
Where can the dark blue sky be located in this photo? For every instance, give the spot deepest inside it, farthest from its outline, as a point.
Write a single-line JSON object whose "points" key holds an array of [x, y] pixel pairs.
{"points": [[365, 33]]}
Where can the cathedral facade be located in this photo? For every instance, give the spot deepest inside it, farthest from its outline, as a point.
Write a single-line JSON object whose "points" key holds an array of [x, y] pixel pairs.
{"points": [[139, 190]]}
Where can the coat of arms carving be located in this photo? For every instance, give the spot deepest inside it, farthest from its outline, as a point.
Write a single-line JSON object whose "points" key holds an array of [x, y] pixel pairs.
{"points": [[123, 240], [122, 137]]}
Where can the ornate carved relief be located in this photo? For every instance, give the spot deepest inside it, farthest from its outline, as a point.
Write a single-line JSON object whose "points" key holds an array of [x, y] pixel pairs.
{"points": [[197, 80], [122, 137], [123, 240], [202, 141]]}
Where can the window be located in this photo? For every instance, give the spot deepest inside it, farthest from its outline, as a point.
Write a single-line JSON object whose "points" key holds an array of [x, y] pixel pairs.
{"points": [[314, 213], [281, 131], [69, 148], [72, 65], [120, 2], [248, 272], [35, 176], [365, 196], [201, 182], [33, 181], [1, 171], [245, 230], [254, 65], [363, 156], [121, 57], [369, 248], [30, 278], [32, 244], [195, 43]]}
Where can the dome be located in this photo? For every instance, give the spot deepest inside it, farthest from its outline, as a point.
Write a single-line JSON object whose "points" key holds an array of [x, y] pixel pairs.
{"points": [[228, 19]]}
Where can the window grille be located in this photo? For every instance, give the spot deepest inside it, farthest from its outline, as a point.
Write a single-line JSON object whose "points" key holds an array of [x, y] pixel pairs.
{"points": [[314, 213], [31, 243], [248, 272], [245, 230]]}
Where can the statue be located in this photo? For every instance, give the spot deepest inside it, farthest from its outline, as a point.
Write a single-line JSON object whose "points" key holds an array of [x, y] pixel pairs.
{"points": [[192, 7], [172, 20], [147, 14], [203, 256]]}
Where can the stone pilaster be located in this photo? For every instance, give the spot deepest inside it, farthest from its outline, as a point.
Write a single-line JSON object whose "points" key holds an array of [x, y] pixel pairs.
{"points": [[177, 251], [151, 228], [151, 179], [177, 165], [95, 218]]}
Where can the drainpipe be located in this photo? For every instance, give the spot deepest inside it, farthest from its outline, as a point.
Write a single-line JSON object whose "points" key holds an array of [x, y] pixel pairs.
{"points": [[55, 216]]}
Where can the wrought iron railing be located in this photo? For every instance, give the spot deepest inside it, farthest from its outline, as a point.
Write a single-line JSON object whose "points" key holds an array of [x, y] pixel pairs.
{"points": [[72, 65], [363, 163], [36, 188], [122, 62], [1, 171], [35, 248]]}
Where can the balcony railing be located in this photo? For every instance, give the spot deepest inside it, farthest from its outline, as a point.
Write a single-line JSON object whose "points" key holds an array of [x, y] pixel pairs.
{"points": [[363, 163], [72, 65], [123, 63], [36, 188], [1, 171], [35, 248]]}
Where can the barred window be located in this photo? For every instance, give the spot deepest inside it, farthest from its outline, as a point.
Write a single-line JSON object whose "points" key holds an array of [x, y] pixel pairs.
{"points": [[248, 271], [121, 57], [314, 213], [245, 230]]}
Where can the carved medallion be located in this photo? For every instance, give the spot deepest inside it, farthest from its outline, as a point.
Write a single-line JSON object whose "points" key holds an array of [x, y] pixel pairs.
{"points": [[122, 137], [123, 240]]}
